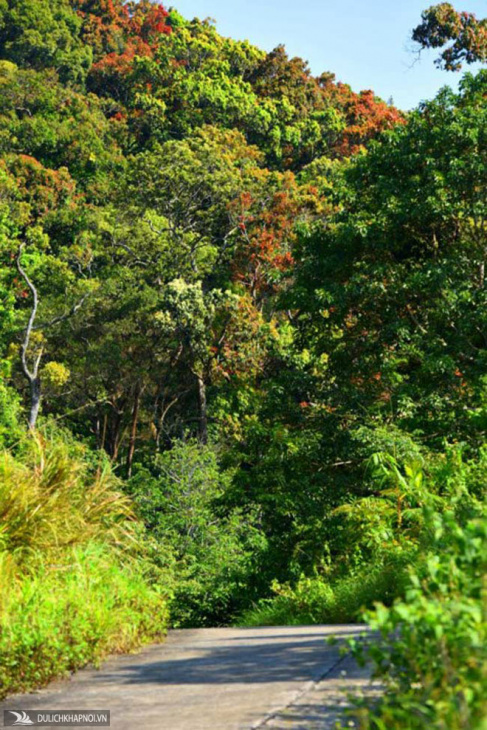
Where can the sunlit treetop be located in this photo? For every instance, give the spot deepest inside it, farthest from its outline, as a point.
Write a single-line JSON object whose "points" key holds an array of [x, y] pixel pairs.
{"points": [[466, 34]]}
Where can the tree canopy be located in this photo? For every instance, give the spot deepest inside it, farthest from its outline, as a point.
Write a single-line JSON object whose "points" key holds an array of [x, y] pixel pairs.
{"points": [[466, 35]]}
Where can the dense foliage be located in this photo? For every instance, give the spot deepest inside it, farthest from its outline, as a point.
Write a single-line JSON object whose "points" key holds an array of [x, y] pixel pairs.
{"points": [[433, 656], [261, 297]]}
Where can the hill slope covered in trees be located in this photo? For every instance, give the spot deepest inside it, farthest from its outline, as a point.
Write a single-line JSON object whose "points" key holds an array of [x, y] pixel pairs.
{"points": [[257, 299]]}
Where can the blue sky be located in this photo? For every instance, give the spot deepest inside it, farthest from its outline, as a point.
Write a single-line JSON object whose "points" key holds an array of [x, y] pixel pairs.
{"points": [[366, 44]]}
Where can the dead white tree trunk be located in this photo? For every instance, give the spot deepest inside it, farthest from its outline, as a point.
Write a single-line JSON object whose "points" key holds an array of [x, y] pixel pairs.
{"points": [[31, 374]]}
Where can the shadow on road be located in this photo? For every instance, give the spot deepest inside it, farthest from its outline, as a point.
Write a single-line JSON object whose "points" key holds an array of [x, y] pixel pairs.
{"points": [[273, 661]]}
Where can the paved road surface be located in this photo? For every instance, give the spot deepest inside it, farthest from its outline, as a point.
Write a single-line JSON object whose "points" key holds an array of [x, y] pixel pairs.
{"points": [[217, 679]]}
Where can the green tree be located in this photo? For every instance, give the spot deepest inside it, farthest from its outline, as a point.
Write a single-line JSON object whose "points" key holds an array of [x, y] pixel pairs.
{"points": [[467, 36], [398, 281], [44, 34], [181, 501]]}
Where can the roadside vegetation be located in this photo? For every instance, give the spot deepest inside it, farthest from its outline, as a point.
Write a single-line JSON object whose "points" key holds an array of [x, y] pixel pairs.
{"points": [[433, 654], [76, 583]]}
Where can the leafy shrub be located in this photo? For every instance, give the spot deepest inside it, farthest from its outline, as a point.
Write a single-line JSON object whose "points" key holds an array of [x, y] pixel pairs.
{"points": [[433, 659], [10, 430], [386, 533], [316, 600]]}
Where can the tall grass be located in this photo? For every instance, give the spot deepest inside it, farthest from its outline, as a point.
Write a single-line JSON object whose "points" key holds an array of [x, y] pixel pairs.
{"points": [[51, 502], [74, 581]]}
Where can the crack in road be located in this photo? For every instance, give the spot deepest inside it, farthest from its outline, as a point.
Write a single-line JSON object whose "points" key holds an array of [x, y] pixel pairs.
{"points": [[308, 687]]}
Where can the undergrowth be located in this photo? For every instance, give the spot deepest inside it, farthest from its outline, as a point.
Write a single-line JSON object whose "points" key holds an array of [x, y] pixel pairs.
{"points": [[316, 600]]}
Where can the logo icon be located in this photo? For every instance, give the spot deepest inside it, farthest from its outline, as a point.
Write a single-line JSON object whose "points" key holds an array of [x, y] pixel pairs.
{"points": [[22, 718]]}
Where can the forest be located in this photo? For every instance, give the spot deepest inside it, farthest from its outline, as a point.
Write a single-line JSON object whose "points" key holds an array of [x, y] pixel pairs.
{"points": [[243, 349]]}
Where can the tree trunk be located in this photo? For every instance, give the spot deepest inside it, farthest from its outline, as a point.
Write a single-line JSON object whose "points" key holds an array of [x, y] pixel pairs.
{"points": [[35, 402], [115, 435], [203, 410], [104, 432], [133, 431], [32, 373]]}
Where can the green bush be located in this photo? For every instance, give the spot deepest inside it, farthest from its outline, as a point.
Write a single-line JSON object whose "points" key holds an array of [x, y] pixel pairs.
{"points": [[316, 600], [10, 430], [433, 658]]}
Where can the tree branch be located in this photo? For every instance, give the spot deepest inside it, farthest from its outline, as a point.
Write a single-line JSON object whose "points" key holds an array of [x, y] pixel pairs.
{"points": [[63, 317], [31, 376]]}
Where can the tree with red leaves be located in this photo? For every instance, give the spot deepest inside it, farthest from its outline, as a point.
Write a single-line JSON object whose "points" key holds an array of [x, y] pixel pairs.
{"points": [[267, 232], [119, 32]]}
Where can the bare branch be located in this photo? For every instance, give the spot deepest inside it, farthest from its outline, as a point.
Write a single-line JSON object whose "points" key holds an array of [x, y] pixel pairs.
{"points": [[63, 317], [137, 260]]}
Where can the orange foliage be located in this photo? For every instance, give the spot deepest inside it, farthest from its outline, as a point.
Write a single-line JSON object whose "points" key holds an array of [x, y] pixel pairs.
{"points": [[42, 188], [268, 234], [119, 31], [365, 115]]}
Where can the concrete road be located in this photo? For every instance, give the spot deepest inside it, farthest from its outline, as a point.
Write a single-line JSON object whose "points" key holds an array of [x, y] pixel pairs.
{"points": [[219, 679]]}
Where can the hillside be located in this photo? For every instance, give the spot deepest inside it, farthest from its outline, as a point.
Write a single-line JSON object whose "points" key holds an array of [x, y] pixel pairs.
{"points": [[253, 302]]}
